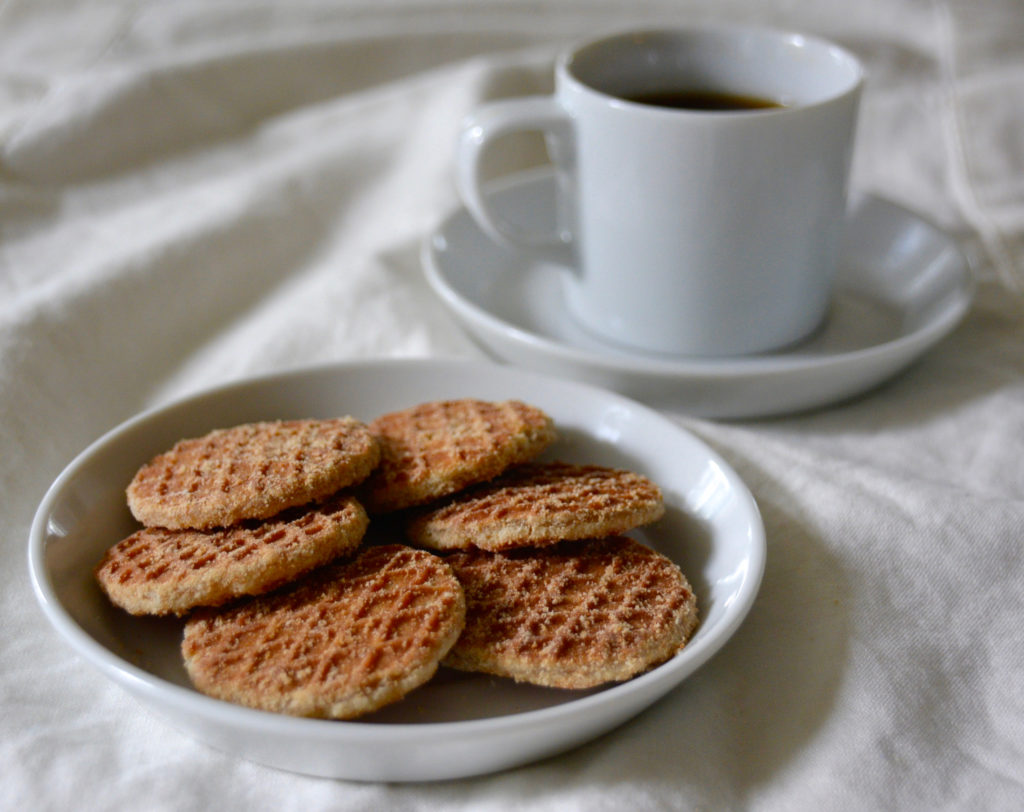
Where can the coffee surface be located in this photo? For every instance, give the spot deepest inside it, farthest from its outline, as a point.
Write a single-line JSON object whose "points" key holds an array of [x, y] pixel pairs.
{"points": [[690, 99]]}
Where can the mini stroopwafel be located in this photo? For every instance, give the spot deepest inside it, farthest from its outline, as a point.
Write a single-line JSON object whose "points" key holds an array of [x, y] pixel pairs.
{"points": [[159, 571], [437, 448], [347, 640], [251, 471], [574, 615], [536, 504]]}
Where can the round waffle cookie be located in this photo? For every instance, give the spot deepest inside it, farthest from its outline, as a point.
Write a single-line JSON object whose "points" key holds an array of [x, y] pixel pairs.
{"points": [[575, 615], [536, 504], [437, 448], [348, 639], [159, 571], [251, 471]]}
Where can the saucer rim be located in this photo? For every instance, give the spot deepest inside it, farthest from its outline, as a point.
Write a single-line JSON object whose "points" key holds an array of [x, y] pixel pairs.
{"points": [[721, 367]]}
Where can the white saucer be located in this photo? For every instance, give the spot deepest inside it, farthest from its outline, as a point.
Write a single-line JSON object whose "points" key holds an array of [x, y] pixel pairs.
{"points": [[903, 284]]}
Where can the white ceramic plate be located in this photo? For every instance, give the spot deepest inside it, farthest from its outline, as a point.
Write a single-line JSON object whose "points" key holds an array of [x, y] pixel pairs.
{"points": [[902, 285], [459, 724]]}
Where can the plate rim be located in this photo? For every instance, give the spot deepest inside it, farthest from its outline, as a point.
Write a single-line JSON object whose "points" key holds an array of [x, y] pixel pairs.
{"points": [[141, 682]]}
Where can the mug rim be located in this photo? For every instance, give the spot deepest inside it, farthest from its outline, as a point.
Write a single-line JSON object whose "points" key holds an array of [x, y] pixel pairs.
{"points": [[843, 57]]}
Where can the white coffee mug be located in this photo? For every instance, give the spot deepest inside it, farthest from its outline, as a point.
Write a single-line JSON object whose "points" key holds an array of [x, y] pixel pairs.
{"points": [[691, 231]]}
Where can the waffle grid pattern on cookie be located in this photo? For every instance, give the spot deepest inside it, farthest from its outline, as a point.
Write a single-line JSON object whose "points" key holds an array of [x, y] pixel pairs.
{"points": [[541, 503], [162, 571], [250, 471], [437, 448], [349, 639], [573, 615]]}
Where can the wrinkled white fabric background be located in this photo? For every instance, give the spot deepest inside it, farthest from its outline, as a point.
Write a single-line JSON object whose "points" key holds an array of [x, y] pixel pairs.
{"points": [[196, 191]]}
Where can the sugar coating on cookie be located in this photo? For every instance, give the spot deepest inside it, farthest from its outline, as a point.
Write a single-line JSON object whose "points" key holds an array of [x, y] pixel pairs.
{"points": [[159, 571], [536, 504], [344, 641], [575, 615], [438, 448], [251, 471]]}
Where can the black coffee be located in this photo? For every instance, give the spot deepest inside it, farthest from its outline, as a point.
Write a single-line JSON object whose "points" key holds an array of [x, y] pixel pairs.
{"points": [[700, 100]]}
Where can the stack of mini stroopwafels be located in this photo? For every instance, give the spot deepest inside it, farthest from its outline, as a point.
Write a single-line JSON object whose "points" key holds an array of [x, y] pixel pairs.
{"points": [[508, 566]]}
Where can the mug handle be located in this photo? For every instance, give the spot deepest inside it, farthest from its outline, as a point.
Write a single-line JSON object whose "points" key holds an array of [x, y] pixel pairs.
{"points": [[487, 124]]}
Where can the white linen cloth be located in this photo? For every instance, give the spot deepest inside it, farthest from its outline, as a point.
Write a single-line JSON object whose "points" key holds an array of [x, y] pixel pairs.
{"points": [[195, 191]]}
